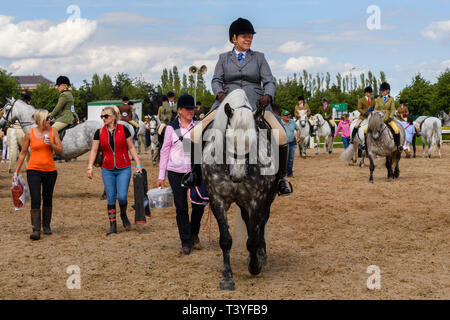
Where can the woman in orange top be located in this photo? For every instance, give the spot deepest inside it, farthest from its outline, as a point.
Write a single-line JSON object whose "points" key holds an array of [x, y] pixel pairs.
{"points": [[41, 170]]}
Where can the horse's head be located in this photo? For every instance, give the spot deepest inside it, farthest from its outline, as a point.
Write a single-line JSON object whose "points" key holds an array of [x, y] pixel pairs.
{"points": [[240, 136], [375, 125], [302, 118], [442, 115], [9, 116], [153, 124]]}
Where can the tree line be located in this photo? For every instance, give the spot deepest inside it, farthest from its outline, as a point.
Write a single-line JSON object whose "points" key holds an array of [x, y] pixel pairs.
{"points": [[422, 97]]}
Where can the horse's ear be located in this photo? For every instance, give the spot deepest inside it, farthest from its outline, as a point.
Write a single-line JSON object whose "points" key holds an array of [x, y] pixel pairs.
{"points": [[228, 110], [259, 111]]}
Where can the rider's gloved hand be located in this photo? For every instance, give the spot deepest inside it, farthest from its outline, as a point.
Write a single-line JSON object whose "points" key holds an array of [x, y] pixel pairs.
{"points": [[220, 96], [265, 100]]}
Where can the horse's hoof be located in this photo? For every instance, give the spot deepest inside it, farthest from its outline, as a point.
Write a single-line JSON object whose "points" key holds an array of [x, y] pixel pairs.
{"points": [[389, 179], [227, 285]]}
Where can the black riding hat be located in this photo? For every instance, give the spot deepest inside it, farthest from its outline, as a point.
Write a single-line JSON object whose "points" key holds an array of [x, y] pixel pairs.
{"points": [[186, 101], [125, 99], [62, 80], [402, 101], [385, 86], [170, 94], [301, 98], [240, 26], [324, 100], [368, 89]]}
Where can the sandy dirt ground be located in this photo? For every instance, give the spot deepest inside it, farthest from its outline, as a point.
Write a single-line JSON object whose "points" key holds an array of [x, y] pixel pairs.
{"points": [[320, 241]]}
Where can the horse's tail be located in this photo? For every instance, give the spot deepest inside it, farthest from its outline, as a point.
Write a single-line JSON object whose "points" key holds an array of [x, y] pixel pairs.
{"points": [[347, 155], [239, 230], [435, 137]]}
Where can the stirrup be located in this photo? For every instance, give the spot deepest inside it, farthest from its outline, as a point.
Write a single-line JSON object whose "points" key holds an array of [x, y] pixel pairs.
{"points": [[285, 187]]}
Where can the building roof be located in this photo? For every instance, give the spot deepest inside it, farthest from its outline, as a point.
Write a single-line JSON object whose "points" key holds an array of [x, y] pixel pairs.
{"points": [[27, 81]]}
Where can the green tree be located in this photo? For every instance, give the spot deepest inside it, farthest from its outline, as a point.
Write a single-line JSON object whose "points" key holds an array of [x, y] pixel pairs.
{"points": [[441, 92], [45, 97], [418, 96], [9, 86]]}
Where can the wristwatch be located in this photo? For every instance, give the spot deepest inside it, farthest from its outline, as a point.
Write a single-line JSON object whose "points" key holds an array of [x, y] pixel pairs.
{"points": [[89, 168]]}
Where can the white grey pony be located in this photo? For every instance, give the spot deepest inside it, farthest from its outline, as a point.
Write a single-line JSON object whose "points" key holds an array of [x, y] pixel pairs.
{"points": [[154, 124], [322, 129], [77, 140], [303, 124], [359, 139], [445, 118], [431, 133], [354, 115]]}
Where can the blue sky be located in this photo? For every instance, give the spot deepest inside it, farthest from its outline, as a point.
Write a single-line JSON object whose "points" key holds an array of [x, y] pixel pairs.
{"points": [[143, 37]]}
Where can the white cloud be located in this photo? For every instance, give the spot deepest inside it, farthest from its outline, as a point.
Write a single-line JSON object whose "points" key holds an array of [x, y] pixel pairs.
{"points": [[437, 30], [304, 62], [116, 17], [292, 47], [40, 38]]}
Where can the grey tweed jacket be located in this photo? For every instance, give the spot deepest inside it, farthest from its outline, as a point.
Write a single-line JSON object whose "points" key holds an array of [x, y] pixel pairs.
{"points": [[254, 76]]}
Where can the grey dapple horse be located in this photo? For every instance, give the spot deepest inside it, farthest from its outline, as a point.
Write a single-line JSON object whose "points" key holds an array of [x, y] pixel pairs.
{"points": [[380, 142], [431, 133], [445, 118], [247, 176], [323, 130], [304, 126], [77, 141]]}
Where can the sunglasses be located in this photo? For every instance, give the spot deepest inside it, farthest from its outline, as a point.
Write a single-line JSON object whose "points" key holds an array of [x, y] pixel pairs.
{"points": [[104, 116]]}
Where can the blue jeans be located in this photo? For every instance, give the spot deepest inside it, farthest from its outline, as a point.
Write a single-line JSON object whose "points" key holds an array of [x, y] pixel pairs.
{"points": [[291, 154], [116, 181], [346, 142]]}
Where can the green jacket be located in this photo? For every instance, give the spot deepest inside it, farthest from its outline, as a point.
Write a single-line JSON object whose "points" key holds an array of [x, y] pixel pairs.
{"points": [[168, 113], [63, 110], [387, 107]]}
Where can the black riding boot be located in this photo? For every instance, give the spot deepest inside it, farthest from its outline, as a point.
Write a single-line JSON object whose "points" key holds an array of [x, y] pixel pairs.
{"points": [[36, 224], [397, 142], [112, 219], [311, 130], [283, 189], [194, 177], [355, 130]]}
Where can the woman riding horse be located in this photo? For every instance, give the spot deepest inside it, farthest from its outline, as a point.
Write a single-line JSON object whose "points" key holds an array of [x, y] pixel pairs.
{"points": [[64, 110], [245, 69]]}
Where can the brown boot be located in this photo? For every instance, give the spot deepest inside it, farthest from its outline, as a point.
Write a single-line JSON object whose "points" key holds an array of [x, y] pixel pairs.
{"points": [[36, 224], [46, 219]]}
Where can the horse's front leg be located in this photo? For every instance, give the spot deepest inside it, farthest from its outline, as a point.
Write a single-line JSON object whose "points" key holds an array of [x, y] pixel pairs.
{"points": [[256, 244], [220, 212], [424, 146], [372, 166], [389, 168], [317, 143], [396, 161]]}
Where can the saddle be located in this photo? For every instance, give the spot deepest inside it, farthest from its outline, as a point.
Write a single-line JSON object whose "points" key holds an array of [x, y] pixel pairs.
{"points": [[62, 133]]}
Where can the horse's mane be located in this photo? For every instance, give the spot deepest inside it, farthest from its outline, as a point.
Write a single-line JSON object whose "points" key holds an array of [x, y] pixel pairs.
{"points": [[376, 120], [242, 118]]}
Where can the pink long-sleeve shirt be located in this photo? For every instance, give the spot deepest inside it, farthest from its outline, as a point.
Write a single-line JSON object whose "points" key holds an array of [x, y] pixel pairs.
{"points": [[172, 156], [345, 126]]}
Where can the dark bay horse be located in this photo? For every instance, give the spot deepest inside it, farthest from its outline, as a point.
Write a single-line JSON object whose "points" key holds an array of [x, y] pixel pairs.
{"points": [[237, 168]]}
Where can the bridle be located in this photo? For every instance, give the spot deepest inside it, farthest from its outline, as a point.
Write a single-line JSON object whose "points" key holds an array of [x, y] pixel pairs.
{"points": [[7, 115]]}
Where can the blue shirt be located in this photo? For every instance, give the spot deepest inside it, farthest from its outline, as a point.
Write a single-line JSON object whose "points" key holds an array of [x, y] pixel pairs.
{"points": [[290, 128]]}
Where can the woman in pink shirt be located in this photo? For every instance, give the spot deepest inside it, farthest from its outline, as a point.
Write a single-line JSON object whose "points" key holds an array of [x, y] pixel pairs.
{"points": [[177, 163], [344, 124]]}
